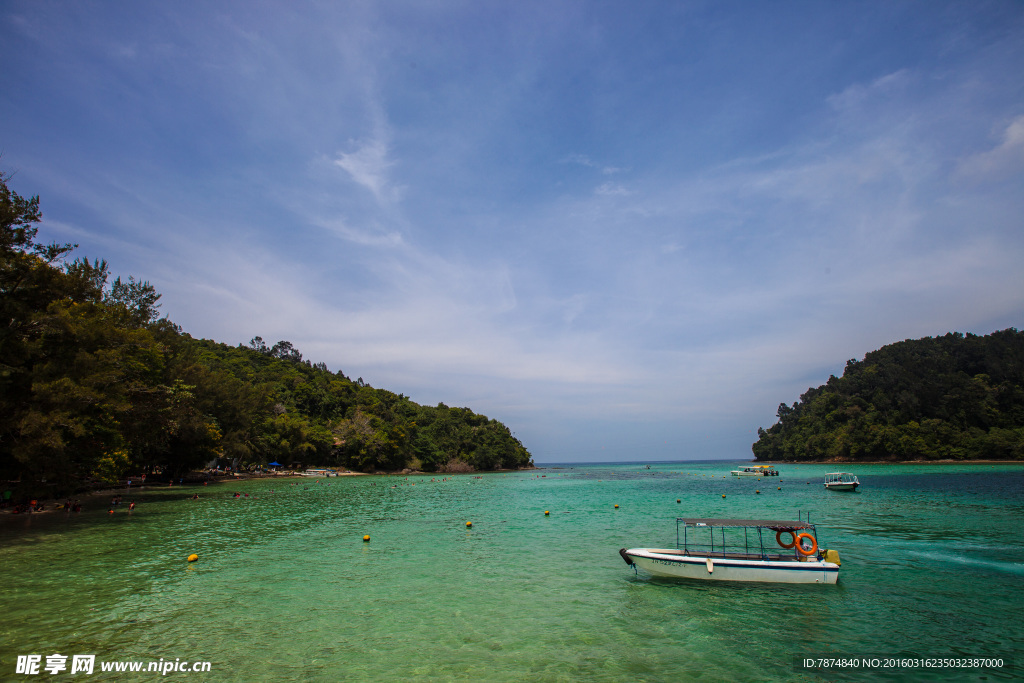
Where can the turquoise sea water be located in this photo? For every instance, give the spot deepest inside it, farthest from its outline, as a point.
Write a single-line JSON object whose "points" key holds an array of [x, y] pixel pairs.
{"points": [[285, 588]]}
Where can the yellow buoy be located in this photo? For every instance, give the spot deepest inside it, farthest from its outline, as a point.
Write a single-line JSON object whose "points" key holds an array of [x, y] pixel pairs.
{"points": [[193, 557], [723, 495], [469, 523], [366, 538], [616, 505], [678, 501], [757, 492], [546, 512]]}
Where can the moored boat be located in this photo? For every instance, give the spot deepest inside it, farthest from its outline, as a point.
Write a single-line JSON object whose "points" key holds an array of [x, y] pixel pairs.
{"points": [[841, 481], [740, 550], [319, 472], [756, 471]]}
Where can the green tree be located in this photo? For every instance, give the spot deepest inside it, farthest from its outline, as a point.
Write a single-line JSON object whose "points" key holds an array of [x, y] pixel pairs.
{"points": [[951, 397]]}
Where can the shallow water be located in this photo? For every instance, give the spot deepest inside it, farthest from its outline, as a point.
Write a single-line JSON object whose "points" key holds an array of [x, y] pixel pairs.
{"points": [[286, 589]]}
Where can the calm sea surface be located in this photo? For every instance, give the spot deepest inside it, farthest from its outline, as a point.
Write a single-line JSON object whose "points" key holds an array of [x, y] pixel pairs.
{"points": [[285, 588]]}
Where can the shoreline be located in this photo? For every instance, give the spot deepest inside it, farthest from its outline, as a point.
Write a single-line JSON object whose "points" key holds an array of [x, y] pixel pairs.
{"points": [[194, 479]]}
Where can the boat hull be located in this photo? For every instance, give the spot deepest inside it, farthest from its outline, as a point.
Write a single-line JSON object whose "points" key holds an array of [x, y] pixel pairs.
{"points": [[842, 487], [670, 564]]}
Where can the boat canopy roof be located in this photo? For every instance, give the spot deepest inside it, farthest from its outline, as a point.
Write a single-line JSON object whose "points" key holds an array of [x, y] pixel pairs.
{"points": [[768, 524]]}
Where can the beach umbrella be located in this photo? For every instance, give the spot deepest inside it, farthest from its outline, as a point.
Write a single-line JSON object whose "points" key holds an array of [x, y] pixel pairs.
{"points": [[274, 464]]}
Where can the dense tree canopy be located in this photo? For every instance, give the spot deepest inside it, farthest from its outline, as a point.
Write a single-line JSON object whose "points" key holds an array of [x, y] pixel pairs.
{"points": [[955, 397], [94, 385]]}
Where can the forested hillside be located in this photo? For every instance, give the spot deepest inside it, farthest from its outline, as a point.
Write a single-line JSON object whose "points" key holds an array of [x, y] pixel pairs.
{"points": [[95, 385], [958, 397]]}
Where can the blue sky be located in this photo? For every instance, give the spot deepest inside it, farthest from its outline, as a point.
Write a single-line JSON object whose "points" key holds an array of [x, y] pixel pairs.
{"points": [[627, 230]]}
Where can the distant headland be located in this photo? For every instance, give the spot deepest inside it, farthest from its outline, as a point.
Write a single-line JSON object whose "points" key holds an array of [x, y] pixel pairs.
{"points": [[96, 386], [954, 398]]}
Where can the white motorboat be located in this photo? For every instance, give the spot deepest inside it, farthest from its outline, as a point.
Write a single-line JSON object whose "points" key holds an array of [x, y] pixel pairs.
{"points": [[841, 481], [319, 472], [740, 550], [756, 471]]}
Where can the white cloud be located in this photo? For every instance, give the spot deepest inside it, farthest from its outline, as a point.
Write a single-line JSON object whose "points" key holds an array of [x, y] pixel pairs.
{"points": [[1004, 159], [368, 166], [364, 238], [584, 160], [859, 94], [611, 190]]}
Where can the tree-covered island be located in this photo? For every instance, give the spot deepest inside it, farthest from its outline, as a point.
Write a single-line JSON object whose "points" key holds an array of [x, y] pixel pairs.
{"points": [[955, 397], [94, 385]]}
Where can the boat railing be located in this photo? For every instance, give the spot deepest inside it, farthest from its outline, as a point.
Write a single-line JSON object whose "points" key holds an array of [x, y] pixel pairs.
{"points": [[726, 555], [738, 540]]}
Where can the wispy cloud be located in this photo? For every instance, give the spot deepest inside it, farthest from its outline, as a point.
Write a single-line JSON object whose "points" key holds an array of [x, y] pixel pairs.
{"points": [[365, 238], [611, 190], [1004, 159], [586, 161], [858, 94], [368, 165]]}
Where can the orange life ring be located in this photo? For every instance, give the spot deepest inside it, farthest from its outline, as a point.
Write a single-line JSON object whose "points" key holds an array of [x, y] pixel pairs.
{"points": [[778, 538], [800, 547]]}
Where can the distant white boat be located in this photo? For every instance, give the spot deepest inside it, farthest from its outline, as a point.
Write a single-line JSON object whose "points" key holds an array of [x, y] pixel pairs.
{"points": [[841, 481], [756, 471], [319, 473], [740, 550]]}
